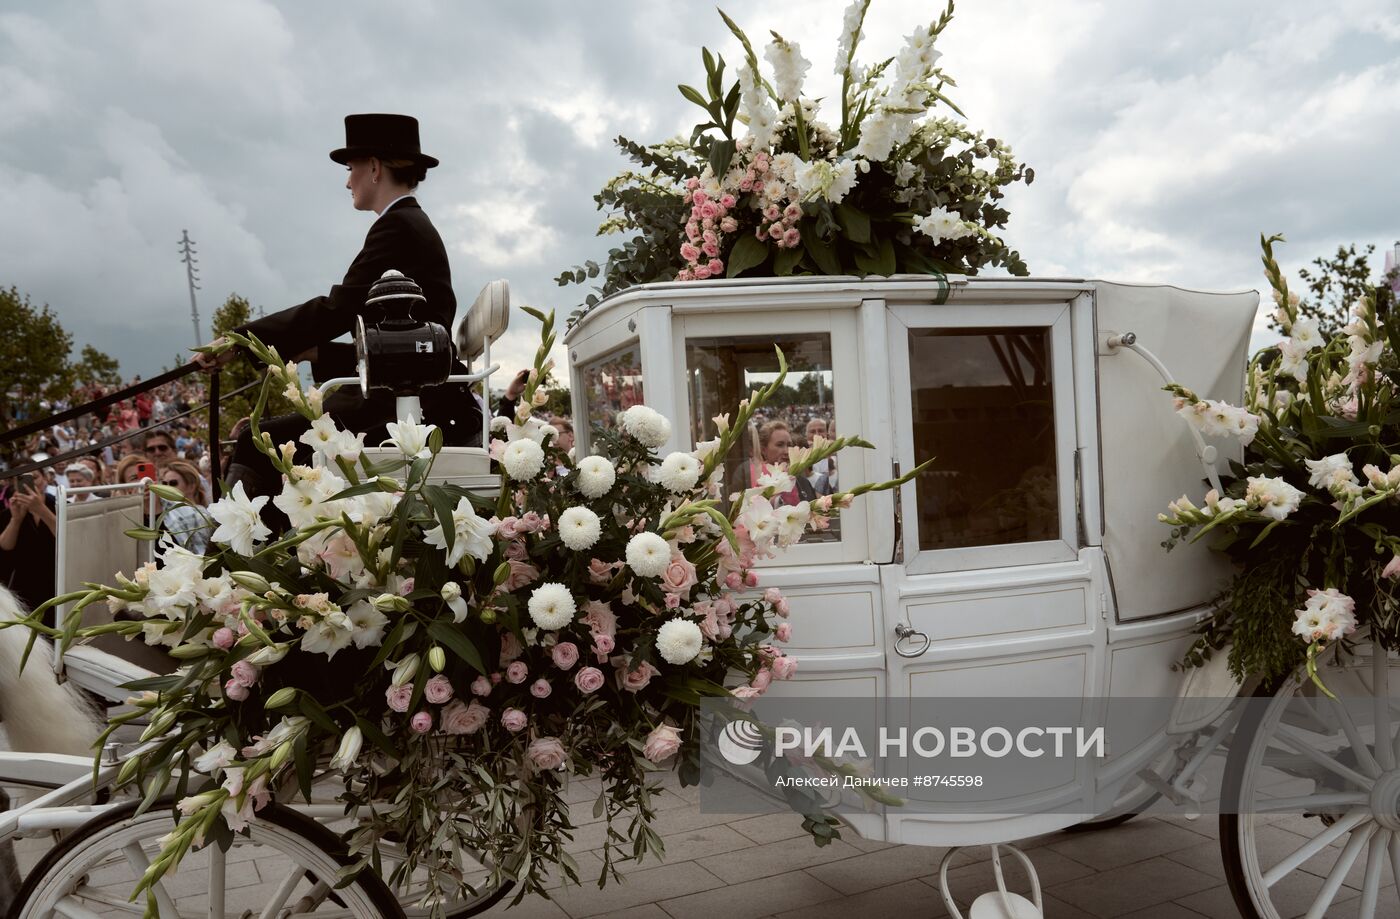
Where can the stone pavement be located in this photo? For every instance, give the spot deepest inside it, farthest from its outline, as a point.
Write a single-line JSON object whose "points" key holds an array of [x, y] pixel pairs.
{"points": [[721, 867]]}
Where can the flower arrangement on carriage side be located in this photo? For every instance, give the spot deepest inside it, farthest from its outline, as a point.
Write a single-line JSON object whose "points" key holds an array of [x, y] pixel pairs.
{"points": [[888, 189], [454, 655], [1310, 516]]}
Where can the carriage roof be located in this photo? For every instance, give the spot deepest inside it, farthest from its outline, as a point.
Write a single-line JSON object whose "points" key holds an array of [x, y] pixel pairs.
{"points": [[1147, 455]]}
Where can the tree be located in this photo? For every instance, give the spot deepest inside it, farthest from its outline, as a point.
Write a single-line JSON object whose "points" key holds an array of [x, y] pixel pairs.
{"points": [[34, 360], [1335, 284], [236, 312]]}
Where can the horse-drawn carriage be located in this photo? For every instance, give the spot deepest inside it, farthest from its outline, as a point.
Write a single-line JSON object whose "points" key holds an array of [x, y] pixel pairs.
{"points": [[1026, 561]]}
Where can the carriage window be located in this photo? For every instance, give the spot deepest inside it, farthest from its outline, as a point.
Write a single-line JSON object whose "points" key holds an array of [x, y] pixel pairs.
{"points": [[612, 384], [984, 409], [721, 371]]}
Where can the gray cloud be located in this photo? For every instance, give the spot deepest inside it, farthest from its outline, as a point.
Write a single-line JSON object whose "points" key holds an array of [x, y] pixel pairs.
{"points": [[1165, 137]]}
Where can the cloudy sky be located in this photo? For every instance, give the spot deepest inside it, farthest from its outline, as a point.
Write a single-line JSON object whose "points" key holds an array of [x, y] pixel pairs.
{"points": [[1165, 137]]}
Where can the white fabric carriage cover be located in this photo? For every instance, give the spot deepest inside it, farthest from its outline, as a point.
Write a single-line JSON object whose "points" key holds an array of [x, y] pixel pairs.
{"points": [[1149, 457]]}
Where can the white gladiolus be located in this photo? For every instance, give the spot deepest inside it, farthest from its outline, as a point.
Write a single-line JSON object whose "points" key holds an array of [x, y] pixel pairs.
{"points": [[825, 179], [218, 756], [776, 478], [941, 224], [758, 518], [240, 527], [523, 459], [648, 555], [756, 109], [1273, 496], [648, 426], [367, 624], [792, 520], [331, 442], [410, 437], [1328, 615], [1293, 360], [472, 534], [579, 528], [1306, 335], [551, 606], [679, 472], [308, 497], [329, 634], [789, 68], [851, 34], [1330, 471], [678, 641], [596, 476]]}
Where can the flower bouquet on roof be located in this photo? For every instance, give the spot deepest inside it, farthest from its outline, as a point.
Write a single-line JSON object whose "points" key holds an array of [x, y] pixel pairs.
{"points": [[879, 184], [454, 657], [1311, 516]]}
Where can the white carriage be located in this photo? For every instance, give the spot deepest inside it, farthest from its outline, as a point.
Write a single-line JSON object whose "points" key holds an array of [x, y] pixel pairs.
{"points": [[1027, 561]]}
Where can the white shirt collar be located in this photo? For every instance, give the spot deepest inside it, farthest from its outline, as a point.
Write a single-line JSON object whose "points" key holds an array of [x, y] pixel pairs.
{"points": [[395, 201]]}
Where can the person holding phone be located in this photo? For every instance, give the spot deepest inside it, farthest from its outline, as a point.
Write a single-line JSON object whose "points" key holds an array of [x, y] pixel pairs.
{"points": [[27, 540], [384, 165]]}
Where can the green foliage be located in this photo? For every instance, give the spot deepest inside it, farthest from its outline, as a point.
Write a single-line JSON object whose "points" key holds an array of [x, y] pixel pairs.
{"points": [[34, 360]]}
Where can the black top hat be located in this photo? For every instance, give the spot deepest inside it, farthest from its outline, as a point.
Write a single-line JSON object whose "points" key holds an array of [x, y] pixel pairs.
{"points": [[384, 136]]}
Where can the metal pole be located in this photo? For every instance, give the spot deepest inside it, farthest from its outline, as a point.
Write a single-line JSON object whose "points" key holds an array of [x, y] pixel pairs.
{"points": [[192, 274]]}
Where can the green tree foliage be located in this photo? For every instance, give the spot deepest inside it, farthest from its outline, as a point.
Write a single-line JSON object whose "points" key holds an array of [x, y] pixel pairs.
{"points": [[1335, 284], [236, 312], [34, 360]]}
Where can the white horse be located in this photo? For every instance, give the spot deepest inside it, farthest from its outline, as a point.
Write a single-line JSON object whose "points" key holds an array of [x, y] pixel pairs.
{"points": [[37, 714]]}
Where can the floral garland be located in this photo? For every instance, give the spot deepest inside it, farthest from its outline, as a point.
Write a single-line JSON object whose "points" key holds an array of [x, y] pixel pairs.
{"points": [[887, 189], [452, 655], [1317, 547]]}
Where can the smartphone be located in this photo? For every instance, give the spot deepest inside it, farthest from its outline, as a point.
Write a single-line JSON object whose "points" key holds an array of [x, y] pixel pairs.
{"points": [[26, 482], [145, 471]]}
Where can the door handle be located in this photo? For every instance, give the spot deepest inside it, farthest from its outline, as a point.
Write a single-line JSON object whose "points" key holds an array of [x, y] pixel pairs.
{"points": [[905, 633]]}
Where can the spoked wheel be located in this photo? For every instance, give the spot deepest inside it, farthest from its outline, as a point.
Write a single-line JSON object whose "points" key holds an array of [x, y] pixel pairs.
{"points": [[1316, 828], [286, 865]]}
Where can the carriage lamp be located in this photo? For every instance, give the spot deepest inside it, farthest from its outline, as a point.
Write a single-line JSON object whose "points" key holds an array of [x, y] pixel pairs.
{"points": [[395, 351]]}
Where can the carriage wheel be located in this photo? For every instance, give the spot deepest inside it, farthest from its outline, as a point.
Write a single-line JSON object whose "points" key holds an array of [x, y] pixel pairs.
{"points": [[1315, 787], [286, 863]]}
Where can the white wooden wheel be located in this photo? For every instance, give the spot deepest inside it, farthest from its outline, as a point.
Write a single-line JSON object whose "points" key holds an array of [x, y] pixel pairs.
{"points": [[1317, 828], [94, 871]]}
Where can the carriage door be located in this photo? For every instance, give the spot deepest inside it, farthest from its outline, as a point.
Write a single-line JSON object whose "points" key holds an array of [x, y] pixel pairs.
{"points": [[988, 561]]}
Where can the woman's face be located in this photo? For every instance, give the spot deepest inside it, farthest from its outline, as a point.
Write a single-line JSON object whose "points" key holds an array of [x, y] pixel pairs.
{"points": [[360, 181], [777, 449], [176, 480]]}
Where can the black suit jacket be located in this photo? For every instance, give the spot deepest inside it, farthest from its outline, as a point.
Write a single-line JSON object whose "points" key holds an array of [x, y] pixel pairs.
{"points": [[404, 239]]}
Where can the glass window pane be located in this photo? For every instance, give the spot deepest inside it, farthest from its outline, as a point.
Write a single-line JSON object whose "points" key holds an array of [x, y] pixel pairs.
{"points": [[984, 409], [611, 384], [721, 371]]}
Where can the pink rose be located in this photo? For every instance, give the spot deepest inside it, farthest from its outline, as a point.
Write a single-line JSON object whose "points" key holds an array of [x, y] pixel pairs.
{"points": [[421, 723], [630, 679], [750, 578], [521, 574], [729, 225], [224, 639], [599, 571], [781, 608], [711, 251], [406, 587], [516, 551], [510, 647], [514, 720], [784, 631], [589, 679], [565, 654], [546, 753], [236, 691], [771, 213], [716, 269], [599, 618], [541, 689], [702, 272], [673, 601], [508, 528], [244, 673], [772, 595], [746, 184], [700, 196], [603, 646], [496, 677], [662, 743], [517, 672], [734, 580], [692, 183], [784, 667], [745, 692], [481, 686], [1392, 568], [762, 680], [458, 718], [709, 210], [532, 522], [679, 575], [438, 689], [727, 201], [399, 697]]}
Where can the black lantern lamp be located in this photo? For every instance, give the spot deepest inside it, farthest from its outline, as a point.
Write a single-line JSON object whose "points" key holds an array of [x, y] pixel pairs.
{"points": [[398, 352]]}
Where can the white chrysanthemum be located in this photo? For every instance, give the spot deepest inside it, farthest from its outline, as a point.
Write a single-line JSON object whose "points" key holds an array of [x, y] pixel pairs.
{"points": [[647, 425], [471, 533], [595, 476], [523, 459], [648, 555], [679, 472], [579, 528], [552, 606], [678, 641]]}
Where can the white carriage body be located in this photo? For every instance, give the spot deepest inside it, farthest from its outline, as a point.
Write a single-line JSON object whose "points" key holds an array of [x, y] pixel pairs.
{"points": [[1089, 607]]}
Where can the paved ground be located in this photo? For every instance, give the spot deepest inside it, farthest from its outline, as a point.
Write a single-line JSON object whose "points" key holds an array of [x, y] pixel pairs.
{"points": [[720, 867]]}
